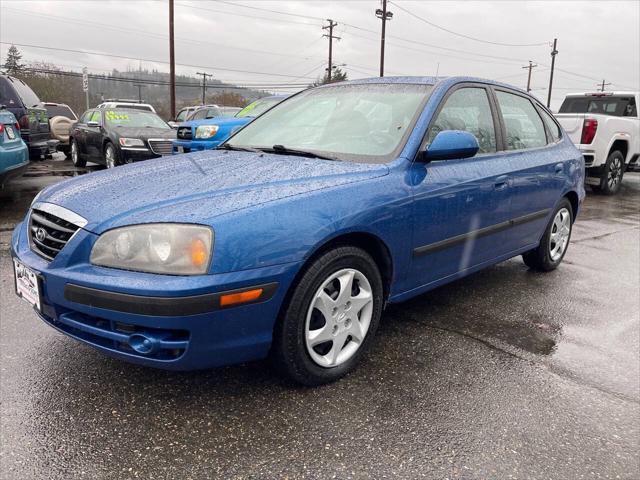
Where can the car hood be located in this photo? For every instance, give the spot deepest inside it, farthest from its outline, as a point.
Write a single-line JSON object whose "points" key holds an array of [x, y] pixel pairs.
{"points": [[220, 121], [145, 132], [197, 187]]}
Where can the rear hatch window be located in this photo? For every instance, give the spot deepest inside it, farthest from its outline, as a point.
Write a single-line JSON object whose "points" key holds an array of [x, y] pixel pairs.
{"points": [[620, 106]]}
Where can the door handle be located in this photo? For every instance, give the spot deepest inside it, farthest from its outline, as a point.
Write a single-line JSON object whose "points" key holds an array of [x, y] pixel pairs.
{"points": [[501, 182], [559, 168]]}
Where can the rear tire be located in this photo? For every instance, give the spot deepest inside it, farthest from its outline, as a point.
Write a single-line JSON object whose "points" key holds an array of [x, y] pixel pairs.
{"points": [[76, 159], [612, 173], [555, 241], [331, 318]]}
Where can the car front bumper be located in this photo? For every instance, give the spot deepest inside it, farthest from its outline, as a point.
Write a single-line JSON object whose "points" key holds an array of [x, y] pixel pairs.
{"points": [[170, 322], [188, 146]]}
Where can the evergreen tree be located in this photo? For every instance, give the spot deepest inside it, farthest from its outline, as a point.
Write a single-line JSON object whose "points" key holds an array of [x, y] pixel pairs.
{"points": [[337, 76], [13, 65]]}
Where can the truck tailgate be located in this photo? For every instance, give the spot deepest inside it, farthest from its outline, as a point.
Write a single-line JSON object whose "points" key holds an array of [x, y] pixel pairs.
{"points": [[572, 124]]}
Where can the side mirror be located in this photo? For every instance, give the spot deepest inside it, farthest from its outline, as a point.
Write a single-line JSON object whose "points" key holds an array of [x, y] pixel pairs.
{"points": [[93, 124], [451, 144]]}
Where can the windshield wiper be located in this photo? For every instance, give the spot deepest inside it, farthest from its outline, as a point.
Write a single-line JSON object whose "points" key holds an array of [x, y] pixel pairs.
{"points": [[281, 149], [236, 148]]}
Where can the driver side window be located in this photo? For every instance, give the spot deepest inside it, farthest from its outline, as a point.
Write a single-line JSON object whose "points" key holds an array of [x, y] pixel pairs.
{"points": [[467, 109]]}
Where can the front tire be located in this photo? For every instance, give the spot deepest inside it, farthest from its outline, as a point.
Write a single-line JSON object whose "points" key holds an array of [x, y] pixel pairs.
{"points": [[612, 173], [110, 156], [555, 241], [331, 317], [76, 159]]}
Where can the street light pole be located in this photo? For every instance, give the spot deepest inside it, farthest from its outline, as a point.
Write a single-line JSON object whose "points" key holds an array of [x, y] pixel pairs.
{"points": [[330, 36], [204, 84]]}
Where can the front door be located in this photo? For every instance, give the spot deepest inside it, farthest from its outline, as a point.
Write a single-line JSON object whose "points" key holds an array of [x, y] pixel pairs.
{"points": [[462, 206]]}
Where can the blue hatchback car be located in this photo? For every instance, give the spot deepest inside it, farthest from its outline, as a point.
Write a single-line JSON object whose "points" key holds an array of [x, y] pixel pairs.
{"points": [[292, 237], [207, 133], [14, 154]]}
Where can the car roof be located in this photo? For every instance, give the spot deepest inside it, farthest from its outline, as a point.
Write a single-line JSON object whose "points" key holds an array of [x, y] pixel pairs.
{"points": [[410, 80]]}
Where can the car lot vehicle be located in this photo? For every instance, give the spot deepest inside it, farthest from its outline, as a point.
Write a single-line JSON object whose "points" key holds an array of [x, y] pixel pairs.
{"points": [[606, 128], [24, 104], [61, 117], [185, 114], [229, 111], [206, 134], [14, 154], [114, 137], [292, 237], [130, 104]]}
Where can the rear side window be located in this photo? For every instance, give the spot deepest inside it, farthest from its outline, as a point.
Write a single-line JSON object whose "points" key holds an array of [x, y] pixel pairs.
{"points": [[552, 126], [467, 109], [8, 96], [601, 104], [523, 125], [29, 99]]}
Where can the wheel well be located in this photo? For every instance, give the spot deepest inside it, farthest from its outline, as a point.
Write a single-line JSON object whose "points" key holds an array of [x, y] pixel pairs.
{"points": [[622, 146], [371, 244], [575, 203]]}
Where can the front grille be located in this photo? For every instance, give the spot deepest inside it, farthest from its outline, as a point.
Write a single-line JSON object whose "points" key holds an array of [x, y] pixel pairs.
{"points": [[161, 147], [48, 233], [185, 133]]}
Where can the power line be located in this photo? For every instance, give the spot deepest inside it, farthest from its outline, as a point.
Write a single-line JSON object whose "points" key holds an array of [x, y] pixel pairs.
{"points": [[271, 11], [467, 36], [86, 52]]}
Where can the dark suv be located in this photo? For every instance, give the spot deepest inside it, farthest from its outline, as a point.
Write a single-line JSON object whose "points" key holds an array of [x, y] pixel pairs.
{"points": [[26, 107]]}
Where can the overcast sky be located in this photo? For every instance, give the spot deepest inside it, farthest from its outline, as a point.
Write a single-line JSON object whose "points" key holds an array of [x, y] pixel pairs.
{"points": [[596, 39]]}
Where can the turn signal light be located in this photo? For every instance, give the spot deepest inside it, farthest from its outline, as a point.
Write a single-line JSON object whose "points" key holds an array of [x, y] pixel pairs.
{"points": [[589, 128], [241, 297], [198, 253]]}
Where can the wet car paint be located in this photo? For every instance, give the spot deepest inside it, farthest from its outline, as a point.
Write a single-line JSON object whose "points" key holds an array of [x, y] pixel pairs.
{"points": [[504, 374]]}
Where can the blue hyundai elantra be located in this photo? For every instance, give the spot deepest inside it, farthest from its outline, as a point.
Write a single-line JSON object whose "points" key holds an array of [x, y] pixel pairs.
{"points": [[292, 237]]}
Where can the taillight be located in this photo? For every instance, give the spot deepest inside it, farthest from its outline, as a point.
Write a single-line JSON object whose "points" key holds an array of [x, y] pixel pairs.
{"points": [[17, 126], [589, 128], [1, 128], [24, 121]]}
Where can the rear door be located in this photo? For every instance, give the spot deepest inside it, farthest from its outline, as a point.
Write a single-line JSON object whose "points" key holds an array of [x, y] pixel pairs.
{"points": [[461, 206], [539, 170], [80, 132]]}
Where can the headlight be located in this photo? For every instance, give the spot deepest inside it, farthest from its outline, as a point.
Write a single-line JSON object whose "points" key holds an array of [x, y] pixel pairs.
{"points": [[131, 142], [169, 248], [206, 131]]}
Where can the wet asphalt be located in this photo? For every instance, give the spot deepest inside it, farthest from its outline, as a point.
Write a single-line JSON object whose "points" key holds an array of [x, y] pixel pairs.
{"points": [[505, 374]]}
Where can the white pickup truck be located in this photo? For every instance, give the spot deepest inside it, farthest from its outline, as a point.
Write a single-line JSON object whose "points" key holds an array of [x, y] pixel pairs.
{"points": [[606, 128]]}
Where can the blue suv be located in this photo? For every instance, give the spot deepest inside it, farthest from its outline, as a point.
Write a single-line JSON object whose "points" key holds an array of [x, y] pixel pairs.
{"points": [[208, 133], [292, 237]]}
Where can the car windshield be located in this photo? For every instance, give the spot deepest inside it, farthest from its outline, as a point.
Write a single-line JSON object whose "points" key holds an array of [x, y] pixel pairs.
{"points": [[602, 104], [137, 119], [258, 107], [365, 123], [59, 110]]}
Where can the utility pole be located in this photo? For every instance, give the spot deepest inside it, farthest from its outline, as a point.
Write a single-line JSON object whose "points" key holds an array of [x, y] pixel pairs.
{"points": [[602, 85], [172, 63], [383, 15], [330, 37], [139, 85], [554, 52], [204, 84], [530, 66]]}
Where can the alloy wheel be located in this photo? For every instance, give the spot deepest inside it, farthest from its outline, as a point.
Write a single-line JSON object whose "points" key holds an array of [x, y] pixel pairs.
{"points": [[338, 318], [560, 231], [615, 173], [110, 157]]}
